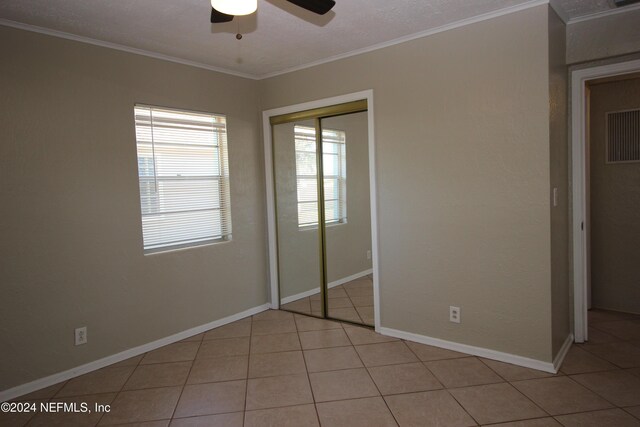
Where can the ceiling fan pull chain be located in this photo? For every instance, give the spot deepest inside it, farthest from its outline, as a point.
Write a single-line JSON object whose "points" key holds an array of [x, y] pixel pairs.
{"points": [[238, 35]]}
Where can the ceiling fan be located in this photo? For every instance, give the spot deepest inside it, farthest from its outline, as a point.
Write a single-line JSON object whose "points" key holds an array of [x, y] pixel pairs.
{"points": [[225, 10]]}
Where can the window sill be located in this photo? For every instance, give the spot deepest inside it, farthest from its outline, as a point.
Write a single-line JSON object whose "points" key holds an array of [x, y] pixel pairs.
{"points": [[315, 227], [170, 249]]}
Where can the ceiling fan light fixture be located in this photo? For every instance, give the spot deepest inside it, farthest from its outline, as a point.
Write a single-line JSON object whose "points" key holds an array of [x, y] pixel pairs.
{"points": [[235, 7]]}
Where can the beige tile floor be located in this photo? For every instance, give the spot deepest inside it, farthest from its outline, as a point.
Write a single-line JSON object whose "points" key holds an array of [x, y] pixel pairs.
{"points": [[352, 301], [281, 369]]}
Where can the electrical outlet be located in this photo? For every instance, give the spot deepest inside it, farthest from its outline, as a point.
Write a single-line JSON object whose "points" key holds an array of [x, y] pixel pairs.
{"points": [[81, 335], [454, 314], [368, 254]]}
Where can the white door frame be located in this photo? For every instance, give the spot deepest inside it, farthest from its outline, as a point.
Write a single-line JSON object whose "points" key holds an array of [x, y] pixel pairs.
{"points": [[271, 210], [579, 79]]}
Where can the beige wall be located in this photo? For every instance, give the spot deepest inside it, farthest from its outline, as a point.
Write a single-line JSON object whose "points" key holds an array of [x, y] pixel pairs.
{"points": [[464, 172], [604, 37], [559, 154], [346, 244], [615, 206], [71, 248], [463, 177]]}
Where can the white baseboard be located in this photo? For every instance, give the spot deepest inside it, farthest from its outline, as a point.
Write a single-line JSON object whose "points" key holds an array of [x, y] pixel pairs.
{"points": [[301, 295], [617, 310], [557, 361], [118, 357], [329, 285], [349, 278], [475, 351]]}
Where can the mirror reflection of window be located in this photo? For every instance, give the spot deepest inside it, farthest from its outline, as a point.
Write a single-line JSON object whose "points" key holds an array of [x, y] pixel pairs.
{"points": [[335, 176]]}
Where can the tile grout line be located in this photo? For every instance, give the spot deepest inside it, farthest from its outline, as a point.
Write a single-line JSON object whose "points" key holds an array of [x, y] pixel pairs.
{"points": [[366, 368], [493, 370], [440, 382], [26, 423], [587, 412], [633, 415], [586, 348], [306, 368], [121, 388], [351, 301], [186, 380], [573, 346], [527, 397], [595, 392], [463, 408], [344, 328], [361, 322], [599, 371], [181, 418], [426, 367], [597, 357], [424, 363], [353, 304], [517, 421], [246, 382]]}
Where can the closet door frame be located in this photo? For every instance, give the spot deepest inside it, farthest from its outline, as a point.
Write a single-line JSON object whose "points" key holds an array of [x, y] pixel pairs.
{"points": [[318, 110]]}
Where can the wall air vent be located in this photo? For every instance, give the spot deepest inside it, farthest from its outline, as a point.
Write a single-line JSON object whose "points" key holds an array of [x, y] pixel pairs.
{"points": [[623, 136]]}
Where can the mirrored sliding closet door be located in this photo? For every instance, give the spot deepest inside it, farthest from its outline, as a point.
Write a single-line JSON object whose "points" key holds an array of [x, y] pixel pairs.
{"points": [[323, 212], [299, 244]]}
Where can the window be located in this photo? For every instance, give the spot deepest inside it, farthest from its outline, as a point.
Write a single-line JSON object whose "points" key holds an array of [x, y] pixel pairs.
{"points": [[184, 178], [335, 176]]}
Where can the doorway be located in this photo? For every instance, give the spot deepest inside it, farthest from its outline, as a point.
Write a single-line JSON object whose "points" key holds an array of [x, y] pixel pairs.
{"points": [[320, 170], [580, 81]]}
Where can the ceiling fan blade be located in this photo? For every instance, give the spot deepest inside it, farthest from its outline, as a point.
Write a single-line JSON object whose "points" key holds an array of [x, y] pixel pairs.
{"points": [[316, 6], [217, 17]]}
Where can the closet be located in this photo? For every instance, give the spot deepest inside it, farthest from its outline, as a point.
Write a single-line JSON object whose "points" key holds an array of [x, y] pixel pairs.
{"points": [[321, 182]]}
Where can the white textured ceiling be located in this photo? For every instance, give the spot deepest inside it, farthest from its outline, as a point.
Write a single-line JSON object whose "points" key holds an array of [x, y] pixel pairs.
{"points": [[279, 37]]}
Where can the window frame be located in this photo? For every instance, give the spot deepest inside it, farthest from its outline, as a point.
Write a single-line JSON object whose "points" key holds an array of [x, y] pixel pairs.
{"points": [[220, 192]]}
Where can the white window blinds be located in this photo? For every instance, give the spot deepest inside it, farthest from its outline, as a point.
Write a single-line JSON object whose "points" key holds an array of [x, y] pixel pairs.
{"points": [[335, 175], [184, 178]]}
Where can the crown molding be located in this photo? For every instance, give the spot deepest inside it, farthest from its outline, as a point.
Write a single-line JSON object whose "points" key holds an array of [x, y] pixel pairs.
{"points": [[120, 47], [559, 10], [604, 14], [414, 36], [461, 23]]}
